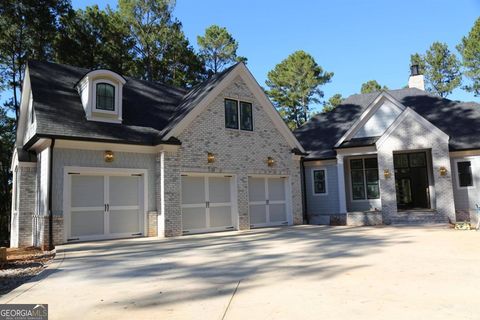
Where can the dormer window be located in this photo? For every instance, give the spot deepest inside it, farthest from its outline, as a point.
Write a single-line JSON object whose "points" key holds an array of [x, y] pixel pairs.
{"points": [[101, 93], [105, 97]]}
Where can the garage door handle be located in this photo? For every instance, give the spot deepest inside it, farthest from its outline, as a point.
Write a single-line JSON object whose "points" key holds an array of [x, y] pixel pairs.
{"points": [[207, 204], [108, 207]]}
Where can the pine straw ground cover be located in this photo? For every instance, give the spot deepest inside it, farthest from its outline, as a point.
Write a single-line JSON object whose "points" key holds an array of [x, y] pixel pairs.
{"points": [[22, 265]]}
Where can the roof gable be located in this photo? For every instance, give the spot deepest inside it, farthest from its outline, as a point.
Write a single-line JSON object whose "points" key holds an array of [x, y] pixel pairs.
{"points": [[193, 104]]}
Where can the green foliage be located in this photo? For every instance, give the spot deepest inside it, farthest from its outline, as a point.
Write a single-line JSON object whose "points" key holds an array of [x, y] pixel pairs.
{"points": [[218, 48], [333, 102], [94, 38], [469, 48], [27, 30], [294, 85], [7, 139], [372, 86], [162, 52], [441, 69]]}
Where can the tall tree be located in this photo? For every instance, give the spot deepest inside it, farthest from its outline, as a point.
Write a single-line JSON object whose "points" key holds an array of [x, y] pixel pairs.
{"points": [[333, 102], [372, 86], [441, 69], [162, 52], [7, 139], [218, 48], [93, 38], [295, 84], [27, 30], [469, 48]]}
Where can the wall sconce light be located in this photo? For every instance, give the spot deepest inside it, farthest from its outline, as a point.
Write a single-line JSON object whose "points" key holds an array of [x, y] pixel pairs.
{"points": [[270, 162], [210, 157], [443, 171], [386, 173], [109, 156]]}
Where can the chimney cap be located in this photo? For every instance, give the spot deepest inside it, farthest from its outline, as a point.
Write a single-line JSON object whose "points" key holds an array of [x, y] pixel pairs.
{"points": [[414, 70]]}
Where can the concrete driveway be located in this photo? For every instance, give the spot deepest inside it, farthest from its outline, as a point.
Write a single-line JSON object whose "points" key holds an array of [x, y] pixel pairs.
{"points": [[303, 272]]}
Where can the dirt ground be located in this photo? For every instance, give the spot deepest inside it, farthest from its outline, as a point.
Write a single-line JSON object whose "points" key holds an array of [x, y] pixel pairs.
{"points": [[22, 264]]}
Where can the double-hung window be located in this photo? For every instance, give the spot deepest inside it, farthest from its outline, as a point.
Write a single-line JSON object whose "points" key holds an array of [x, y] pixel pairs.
{"points": [[364, 178], [105, 96], [238, 115], [465, 176], [319, 181]]}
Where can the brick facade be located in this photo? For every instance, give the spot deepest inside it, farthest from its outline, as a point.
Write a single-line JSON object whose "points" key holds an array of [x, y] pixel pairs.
{"points": [[411, 135], [236, 152]]}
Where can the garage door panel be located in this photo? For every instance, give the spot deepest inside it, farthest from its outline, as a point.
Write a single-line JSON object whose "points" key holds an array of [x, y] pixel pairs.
{"points": [[123, 221], [87, 191], [193, 190], [256, 189], [258, 214], [219, 189], [277, 213], [87, 223], [194, 218], [276, 189], [221, 216], [123, 191]]}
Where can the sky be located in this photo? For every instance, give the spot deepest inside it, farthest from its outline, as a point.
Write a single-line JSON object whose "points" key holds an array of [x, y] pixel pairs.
{"points": [[358, 40]]}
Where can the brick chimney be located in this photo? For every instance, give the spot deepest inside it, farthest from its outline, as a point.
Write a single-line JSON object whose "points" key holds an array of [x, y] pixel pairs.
{"points": [[416, 79]]}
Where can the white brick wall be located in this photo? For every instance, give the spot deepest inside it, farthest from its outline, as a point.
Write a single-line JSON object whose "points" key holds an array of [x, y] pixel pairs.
{"points": [[412, 135], [236, 152]]}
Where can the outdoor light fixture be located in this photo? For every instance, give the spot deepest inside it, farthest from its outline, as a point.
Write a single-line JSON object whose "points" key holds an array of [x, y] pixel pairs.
{"points": [[443, 171], [210, 157], [108, 156], [270, 162], [386, 173]]}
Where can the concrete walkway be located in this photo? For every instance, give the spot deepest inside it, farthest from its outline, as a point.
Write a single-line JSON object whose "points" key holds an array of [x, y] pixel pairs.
{"points": [[304, 272]]}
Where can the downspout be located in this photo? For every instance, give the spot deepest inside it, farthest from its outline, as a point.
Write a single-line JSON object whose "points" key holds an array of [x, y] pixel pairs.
{"points": [[304, 193], [50, 213]]}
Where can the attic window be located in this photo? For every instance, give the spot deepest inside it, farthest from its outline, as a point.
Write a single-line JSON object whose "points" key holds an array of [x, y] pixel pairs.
{"points": [[105, 96]]}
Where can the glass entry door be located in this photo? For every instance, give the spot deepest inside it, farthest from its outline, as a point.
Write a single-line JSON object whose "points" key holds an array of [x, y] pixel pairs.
{"points": [[411, 180]]}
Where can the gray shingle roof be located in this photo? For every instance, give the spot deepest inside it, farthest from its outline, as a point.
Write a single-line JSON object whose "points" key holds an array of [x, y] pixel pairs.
{"points": [[150, 109], [460, 120]]}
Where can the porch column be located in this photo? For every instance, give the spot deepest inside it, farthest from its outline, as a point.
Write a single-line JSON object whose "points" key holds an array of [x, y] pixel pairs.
{"points": [[341, 185]]}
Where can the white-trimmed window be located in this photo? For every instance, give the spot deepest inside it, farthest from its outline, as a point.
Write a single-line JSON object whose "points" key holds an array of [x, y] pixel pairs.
{"points": [[238, 115], [464, 173], [105, 96], [319, 179], [364, 179]]}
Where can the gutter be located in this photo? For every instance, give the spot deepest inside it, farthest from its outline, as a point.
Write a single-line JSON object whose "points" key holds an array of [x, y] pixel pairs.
{"points": [[50, 213], [304, 193]]}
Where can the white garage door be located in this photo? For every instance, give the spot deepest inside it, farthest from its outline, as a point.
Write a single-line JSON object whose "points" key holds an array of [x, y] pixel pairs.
{"points": [[267, 201], [207, 203], [103, 207]]}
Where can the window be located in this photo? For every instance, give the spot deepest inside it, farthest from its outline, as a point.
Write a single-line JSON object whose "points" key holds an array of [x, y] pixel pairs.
{"points": [[246, 118], [364, 177], [238, 118], [319, 182], [105, 97], [231, 114], [465, 176]]}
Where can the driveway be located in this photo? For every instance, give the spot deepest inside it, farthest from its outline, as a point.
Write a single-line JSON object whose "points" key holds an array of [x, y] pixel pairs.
{"points": [[303, 272]]}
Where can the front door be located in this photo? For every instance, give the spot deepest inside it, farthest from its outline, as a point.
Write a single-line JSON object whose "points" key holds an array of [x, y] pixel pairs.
{"points": [[411, 180]]}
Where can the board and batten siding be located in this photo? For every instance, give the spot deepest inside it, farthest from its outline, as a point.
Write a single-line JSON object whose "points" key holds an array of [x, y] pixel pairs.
{"points": [[93, 158], [466, 198], [322, 204]]}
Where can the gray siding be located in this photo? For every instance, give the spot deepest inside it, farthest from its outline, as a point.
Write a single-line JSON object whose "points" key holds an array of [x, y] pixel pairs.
{"points": [[466, 198], [380, 121], [91, 158], [318, 204]]}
